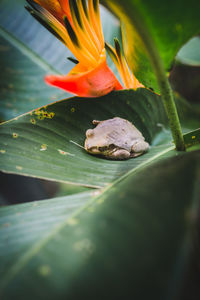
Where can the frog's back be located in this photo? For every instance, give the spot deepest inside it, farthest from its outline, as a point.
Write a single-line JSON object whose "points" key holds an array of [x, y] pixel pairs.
{"points": [[119, 132]]}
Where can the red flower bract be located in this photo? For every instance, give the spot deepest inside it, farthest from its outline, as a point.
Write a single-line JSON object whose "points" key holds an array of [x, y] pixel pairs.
{"points": [[94, 83]]}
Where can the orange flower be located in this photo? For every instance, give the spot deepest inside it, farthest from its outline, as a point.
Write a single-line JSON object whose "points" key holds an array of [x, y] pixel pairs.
{"points": [[58, 8], [128, 78], [77, 24]]}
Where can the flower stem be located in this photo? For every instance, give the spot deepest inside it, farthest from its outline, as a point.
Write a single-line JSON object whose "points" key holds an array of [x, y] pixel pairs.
{"points": [[169, 104], [170, 108], [130, 15], [164, 85]]}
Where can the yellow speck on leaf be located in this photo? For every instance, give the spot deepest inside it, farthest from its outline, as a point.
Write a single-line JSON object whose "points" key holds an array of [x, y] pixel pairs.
{"points": [[51, 115], [33, 121], [193, 137], [42, 114], [37, 112], [19, 168], [15, 135], [72, 109], [43, 147], [2, 151], [40, 117]]}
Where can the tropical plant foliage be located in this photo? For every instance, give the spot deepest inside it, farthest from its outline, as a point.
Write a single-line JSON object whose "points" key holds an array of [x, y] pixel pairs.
{"points": [[129, 235]]}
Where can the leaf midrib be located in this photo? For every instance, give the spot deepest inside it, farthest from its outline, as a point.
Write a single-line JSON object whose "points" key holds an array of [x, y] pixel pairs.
{"points": [[36, 248]]}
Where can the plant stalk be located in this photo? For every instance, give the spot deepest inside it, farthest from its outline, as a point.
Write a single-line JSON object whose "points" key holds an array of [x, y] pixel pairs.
{"points": [[163, 83], [169, 104], [131, 15]]}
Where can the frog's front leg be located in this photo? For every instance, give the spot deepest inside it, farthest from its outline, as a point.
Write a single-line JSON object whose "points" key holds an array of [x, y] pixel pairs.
{"points": [[139, 146], [119, 154]]}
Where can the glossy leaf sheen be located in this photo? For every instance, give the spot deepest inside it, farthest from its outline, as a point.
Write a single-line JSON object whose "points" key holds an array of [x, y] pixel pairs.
{"points": [[22, 87], [51, 145], [133, 235], [168, 24], [189, 54], [127, 241], [47, 143]]}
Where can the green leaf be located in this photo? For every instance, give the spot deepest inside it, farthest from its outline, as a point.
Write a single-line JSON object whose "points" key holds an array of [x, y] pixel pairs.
{"points": [[48, 142], [15, 19], [22, 86], [134, 236], [54, 213], [189, 54], [155, 28], [28, 53], [52, 146]]}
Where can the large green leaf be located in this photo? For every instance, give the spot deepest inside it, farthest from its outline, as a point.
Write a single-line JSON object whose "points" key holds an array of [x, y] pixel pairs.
{"points": [[128, 242], [47, 143], [22, 87], [18, 22], [27, 54], [53, 212], [155, 28]]}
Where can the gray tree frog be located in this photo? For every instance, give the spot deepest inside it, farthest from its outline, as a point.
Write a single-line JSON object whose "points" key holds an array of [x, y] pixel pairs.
{"points": [[116, 139]]}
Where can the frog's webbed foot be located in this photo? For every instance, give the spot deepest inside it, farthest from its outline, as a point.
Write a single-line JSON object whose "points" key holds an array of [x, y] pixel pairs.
{"points": [[119, 154], [133, 154]]}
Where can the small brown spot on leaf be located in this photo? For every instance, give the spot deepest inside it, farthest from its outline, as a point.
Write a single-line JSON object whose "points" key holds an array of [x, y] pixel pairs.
{"points": [[33, 121], [15, 135]]}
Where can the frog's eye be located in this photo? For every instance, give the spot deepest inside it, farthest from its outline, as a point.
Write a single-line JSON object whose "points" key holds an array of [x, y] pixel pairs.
{"points": [[102, 149], [112, 147], [89, 132]]}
